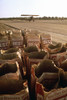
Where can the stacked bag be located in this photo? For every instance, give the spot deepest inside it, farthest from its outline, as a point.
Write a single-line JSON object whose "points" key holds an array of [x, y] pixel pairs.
{"points": [[4, 42], [57, 53], [10, 78], [11, 75], [11, 55], [32, 38], [35, 55]]}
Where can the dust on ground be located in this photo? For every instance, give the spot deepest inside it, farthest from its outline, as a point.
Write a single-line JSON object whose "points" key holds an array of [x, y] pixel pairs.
{"points": [[56, 28]]}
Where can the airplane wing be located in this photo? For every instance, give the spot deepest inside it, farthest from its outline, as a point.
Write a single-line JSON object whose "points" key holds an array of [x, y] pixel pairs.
{"points": [[28, 15]]}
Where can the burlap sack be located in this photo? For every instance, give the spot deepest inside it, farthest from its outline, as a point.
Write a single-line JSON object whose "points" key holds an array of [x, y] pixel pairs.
{"points": [[16, 39], [58, 58], [8, 68], [64, 67], [37, 57], [33, 39], [56, 94], [45, 40], [11, 57], [11, 82], [22, 95], [49, 75]]}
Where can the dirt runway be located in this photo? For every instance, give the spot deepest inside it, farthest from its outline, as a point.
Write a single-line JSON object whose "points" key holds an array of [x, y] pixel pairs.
{"points": [[56, 28]]}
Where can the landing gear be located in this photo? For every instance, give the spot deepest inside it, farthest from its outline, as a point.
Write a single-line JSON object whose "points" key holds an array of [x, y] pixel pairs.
{"points": [[31, 19]]}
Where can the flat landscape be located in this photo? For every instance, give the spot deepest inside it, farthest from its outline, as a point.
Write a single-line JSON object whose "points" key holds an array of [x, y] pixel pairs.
{"points": [[56, 28]]}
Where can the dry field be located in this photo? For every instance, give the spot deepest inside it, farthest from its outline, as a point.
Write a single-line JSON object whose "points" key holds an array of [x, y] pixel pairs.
{"points": [[56, 28]]}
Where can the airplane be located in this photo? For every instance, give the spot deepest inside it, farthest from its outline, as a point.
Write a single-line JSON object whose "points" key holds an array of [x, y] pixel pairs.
{"points": [[31, 17]]}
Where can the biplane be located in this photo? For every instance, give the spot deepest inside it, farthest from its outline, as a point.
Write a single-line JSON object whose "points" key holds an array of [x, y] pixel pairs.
{"points": [[31, 17]]}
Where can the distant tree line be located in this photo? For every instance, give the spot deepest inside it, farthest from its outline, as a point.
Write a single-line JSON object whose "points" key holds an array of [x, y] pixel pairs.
{"points": [[12, 18], [52, 18], [39, 18]]}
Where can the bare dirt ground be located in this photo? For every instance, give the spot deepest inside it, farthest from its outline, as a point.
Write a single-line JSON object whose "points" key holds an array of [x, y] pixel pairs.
{"points": [[56, 28]]}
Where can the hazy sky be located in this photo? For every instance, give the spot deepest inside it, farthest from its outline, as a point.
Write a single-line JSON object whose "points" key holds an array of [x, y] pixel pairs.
{"points": [[14, 8]]}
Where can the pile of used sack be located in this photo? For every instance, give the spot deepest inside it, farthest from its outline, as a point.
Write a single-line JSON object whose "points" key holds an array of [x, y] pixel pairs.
{"points": [[4, 42], [11, 75], [31, 66], [53, 79], [57, 53]]}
